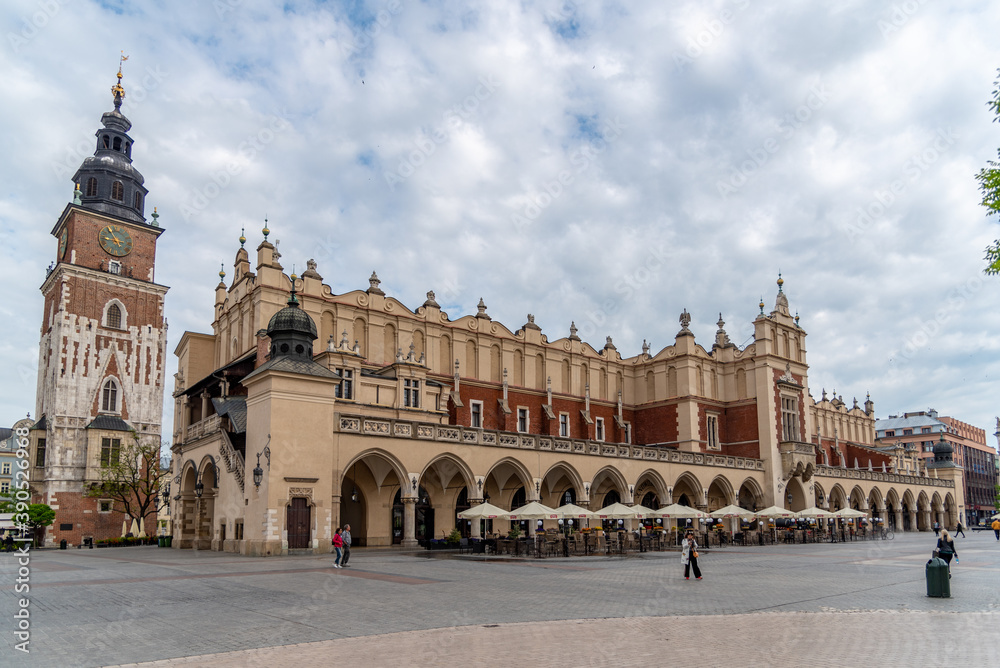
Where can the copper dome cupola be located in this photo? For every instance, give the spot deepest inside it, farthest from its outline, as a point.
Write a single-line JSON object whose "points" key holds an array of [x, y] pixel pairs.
{"points": [[291, 330]]}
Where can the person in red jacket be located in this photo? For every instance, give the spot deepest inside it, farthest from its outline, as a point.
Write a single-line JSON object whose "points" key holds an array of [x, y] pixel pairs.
{"points": [[338, 545]]}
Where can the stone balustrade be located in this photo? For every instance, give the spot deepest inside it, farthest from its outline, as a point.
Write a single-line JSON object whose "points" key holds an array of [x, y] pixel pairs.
{"points": [[359, 424], [878, 476]]}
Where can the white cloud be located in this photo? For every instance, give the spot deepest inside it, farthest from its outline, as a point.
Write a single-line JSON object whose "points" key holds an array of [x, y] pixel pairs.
{"points": [[358, 94]]}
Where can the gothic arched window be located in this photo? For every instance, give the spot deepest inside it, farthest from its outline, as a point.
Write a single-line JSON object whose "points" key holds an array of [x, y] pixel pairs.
{"points": [[118, 191], [138, 201], [114, 319], [109, 397], [118, 143], [92, 187]]}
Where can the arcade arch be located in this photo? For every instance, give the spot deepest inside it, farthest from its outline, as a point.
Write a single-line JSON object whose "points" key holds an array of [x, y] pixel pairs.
{"points": [[687, 491]]}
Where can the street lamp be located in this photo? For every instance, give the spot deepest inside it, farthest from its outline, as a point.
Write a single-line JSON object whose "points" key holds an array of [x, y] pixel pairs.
{"points": [[789, 499], [258, 473], [199, 488]]}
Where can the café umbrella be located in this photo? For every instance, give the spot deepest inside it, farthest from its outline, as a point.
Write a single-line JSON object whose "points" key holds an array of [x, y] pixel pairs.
{"points": [[848, 513], [774, 511], [619, 511], [643, 511], [532, 511], [571, 510], [676, 510], [818, 513], [731, 511], [484, 511]]}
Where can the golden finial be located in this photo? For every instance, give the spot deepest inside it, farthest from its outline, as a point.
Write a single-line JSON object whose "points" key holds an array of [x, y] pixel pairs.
{"points": [[117, 89], [243, 236], [265, 230], [222, 272]]}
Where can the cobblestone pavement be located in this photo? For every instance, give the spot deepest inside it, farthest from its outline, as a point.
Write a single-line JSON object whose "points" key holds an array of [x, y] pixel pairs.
{"points": [[817, 604]]}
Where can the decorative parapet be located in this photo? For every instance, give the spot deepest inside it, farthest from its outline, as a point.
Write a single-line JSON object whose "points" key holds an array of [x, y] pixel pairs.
{"points": [[422, 431], [878, 476]]}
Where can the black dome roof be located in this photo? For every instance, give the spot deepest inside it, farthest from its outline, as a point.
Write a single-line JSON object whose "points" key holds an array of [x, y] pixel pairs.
{"points": [[943, 447], [292, 319]]}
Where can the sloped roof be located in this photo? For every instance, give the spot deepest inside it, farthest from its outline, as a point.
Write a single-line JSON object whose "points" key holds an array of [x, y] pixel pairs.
{"points": [[109, 423], [293, 365], [235, 408], [908, 422]]}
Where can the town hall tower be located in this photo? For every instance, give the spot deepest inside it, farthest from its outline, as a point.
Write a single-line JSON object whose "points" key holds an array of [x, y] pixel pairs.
{"points": [[103, 337]]}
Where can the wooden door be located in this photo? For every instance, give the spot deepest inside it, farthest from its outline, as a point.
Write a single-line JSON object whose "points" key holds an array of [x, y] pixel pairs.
{"points": [[299, 515]]}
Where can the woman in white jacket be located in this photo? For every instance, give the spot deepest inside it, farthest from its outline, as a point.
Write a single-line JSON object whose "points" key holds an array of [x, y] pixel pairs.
{"points": [[689, 556]]}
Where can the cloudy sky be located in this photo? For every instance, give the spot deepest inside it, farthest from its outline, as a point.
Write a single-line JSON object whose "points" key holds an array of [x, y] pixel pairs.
{"points": [[611, 163]]}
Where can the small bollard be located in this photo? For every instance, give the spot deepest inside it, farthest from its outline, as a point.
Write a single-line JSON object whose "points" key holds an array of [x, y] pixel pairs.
{"points": [[62, 544]]}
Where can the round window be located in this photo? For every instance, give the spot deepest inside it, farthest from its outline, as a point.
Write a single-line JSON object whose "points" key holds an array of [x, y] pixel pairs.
{"points": [[299, 349], [284, 347]]}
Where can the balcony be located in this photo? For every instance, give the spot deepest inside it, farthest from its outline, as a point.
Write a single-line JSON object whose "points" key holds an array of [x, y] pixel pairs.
{"points": [[797, 459], [210, 425]]}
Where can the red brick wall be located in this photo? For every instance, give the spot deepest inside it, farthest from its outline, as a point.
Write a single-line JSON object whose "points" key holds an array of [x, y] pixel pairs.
{"points": [[538, 421], [863, 455], [87, 298], [73, 509], [737, 426], [656, 424], [83, 231]]}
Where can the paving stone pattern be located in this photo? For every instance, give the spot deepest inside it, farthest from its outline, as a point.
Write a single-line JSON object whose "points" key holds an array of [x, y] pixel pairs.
{"points": [[818, 604]]}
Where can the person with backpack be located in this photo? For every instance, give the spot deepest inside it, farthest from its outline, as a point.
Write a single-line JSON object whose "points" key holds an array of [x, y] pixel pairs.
{"points": [[946, 549]]}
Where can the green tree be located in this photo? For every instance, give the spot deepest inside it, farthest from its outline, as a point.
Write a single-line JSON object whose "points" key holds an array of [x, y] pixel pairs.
{"points": [[33, 516], [39, 515], [133, 481], [989, 186]]}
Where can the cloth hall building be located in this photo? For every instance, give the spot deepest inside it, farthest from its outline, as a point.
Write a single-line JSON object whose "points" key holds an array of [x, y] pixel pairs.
{"points": [[304, 409]]}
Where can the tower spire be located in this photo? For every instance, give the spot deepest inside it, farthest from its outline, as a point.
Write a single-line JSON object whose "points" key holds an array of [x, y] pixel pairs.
{"points": [[117, 91], [109, 182]]}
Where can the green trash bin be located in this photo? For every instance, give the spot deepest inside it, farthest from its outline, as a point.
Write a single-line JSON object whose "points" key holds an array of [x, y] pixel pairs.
{"points": [[161, 541], [938, 584], [169, 539]]}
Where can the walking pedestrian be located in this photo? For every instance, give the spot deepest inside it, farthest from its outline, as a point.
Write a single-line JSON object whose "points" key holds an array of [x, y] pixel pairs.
{"points": [[937, 529], [946, 549], [346, 537], [958, 528], [338, 545], [996, 528], [689, 556]]}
